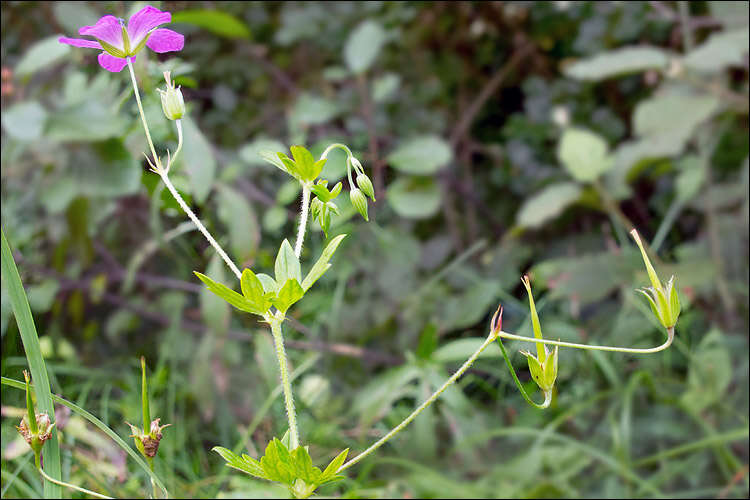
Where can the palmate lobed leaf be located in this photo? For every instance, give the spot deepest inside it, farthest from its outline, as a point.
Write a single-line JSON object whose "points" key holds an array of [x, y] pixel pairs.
{"points": [[285, 467]]}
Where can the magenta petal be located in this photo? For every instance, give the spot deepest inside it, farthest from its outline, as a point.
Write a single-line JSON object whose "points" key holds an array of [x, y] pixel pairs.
{"points": [[164, 40], [80, 42], [112, 63], [108, 29], [144, 21]]}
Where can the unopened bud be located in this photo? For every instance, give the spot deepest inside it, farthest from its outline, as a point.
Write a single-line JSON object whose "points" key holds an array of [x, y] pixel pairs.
{"points": [[171, 100], [359, 201], [365, 184]]}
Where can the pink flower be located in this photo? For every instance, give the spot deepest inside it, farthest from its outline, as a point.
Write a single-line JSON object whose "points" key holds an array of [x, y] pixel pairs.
{"points": [[120, 42]]}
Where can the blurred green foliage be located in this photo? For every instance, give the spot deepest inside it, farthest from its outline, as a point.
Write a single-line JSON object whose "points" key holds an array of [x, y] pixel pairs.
{"points": [[502, 138]]}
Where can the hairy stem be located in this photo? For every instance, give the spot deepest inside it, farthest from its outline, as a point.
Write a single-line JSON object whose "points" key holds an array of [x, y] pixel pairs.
{"points": [[421, 407], [200, 225], [302, 220], [278, 340], [667, 343]]}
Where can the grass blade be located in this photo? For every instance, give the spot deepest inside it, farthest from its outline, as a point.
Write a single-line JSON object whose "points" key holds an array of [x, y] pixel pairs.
{"points": [[20, 304], [98, 423]]}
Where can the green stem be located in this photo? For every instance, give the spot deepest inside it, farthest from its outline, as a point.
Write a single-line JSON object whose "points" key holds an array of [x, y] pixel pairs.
{"points": [[178, 124], [144, 399], [143, 115], [285, 384], [336, 145], [421, 407], [302, 219], [667, 343], [63, 483], [547, 395]]}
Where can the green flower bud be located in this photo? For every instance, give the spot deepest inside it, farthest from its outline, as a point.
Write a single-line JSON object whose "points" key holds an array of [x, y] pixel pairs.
{"points": [[365, 184], [359, 201], [171, 100]]}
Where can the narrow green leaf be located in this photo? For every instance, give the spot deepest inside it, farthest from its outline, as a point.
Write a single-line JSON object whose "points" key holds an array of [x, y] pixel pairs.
{"points": [[651, 302], [253, 466], [287, 264], [27, 329], [217, 21], [229, 295], [335, 465], [290, 293], [274, 160], [322, 265]]}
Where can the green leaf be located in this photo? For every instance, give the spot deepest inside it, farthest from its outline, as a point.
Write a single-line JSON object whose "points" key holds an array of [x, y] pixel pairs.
{"points": [[255, 152], [423, 155], [273, 158], [710, 372], [234, 298], [269, 284], [244, 463], [303, 466], [24, 120], [277, 463], [304, 160], [313, 110], [720, 51], [547, 204], [672, 112], [239, 217], [215, 311], [43, 54], [290, 293], [322, 265], [414, 197], [253, 290], [330, 473], [584, 154], [363, 46], [618, 62], [30, 339], [216, 21], [199, 161], [287, 264]]}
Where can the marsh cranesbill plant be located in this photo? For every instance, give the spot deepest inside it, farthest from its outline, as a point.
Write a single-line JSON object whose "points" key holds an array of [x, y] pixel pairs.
{"points": [[286, 460]]}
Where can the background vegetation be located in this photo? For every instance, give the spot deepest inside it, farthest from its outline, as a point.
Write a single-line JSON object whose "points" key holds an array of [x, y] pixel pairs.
{"points": [[459, 111]]}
